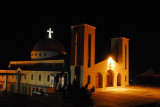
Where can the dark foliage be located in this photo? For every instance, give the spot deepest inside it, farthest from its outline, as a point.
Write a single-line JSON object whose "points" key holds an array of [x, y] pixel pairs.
{"points": [[148, 80], [77, 96]]}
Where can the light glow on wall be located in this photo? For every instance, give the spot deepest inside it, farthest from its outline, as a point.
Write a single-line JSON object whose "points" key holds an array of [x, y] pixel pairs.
{"points": [[110, 62]]}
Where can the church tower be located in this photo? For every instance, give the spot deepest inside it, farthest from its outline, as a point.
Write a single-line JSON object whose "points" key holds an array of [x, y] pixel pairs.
{"points": [[120, 54], [82, 51]]}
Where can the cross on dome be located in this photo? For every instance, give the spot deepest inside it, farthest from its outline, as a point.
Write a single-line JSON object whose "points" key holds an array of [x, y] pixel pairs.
{"points": [[50, 32]]}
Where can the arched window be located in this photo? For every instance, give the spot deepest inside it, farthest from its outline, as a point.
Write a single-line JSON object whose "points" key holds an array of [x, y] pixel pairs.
{"points": [[89, 79], [48, 78], [32, 77], [39, 77]]}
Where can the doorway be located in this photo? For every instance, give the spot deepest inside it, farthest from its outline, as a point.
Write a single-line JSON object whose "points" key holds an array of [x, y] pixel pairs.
{"points": [[119, 79], [110, 78], [99, 79]]}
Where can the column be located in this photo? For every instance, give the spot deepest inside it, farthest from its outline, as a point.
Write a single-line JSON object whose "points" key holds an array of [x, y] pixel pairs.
{"points": [[5, 84]]}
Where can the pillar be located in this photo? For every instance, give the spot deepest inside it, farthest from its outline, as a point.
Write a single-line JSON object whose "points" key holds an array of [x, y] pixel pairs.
{"points": [[5, 84]]}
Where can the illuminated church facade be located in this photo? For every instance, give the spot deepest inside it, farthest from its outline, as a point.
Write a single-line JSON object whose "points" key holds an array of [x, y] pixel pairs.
{"points": [[48, 71], [111, 72]]}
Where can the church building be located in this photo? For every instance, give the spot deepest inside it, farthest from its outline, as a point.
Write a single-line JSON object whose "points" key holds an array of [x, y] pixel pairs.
{"points": [[112, 72], [48, 68]]}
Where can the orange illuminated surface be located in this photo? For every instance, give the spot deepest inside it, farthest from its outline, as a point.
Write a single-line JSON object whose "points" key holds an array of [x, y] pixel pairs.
{"points": [[127, 96], [110, 62]]}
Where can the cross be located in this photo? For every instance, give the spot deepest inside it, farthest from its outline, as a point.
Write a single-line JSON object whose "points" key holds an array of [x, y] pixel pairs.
{"points": [[50, 32]]}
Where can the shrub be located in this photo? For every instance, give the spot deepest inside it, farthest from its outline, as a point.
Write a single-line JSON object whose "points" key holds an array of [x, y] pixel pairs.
{"points": [[77, 96]]}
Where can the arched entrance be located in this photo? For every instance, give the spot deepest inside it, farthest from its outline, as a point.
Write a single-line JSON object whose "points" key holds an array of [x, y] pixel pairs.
{"points": [[119, 79], [99, 80], [110, 78]]}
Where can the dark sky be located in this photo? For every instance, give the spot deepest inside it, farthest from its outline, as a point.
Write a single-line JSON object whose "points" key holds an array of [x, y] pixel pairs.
{"points": [[23, 23]]}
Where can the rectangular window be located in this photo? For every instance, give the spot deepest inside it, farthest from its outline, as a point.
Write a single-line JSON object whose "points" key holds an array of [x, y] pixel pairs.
{"points": [[89, 50], [39, 77], [89, 79], [117, 53], [48, 78], [24, 76], [77, 49], [36, 89], [125, 78], [32, 77], [125, 57]]}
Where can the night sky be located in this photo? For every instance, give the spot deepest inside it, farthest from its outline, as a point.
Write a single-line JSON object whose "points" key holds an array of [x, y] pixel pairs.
{"points": [[23, 23]]}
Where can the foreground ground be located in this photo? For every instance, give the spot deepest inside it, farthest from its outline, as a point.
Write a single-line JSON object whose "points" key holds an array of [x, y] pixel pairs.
{"points": [[112, 97], [128, 96]]}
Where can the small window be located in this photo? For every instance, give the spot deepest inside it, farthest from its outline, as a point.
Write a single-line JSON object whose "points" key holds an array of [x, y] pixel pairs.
{"points": [[45, 54], [39, 54], [125, 57], [1, 86], [125, 78], [35, 54], [89, 79], [32, 77], [48, 78], [12, 76], [39, 77], [89, 50], [36, 89], [24, 76]]}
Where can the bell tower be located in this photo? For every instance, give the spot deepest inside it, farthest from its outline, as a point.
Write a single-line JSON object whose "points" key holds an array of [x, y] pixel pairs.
{"points": [[82, 51], [120, 54]]}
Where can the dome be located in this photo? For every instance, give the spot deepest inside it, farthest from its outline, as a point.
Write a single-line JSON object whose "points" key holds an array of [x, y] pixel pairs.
{"points": [[49, 45]]}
